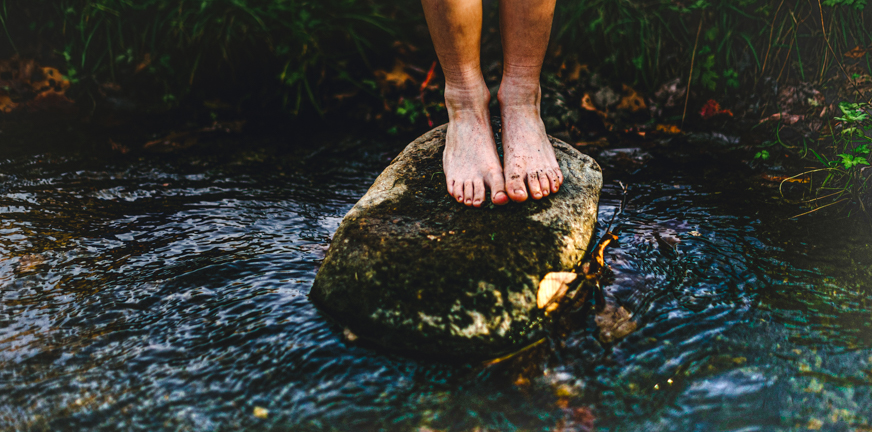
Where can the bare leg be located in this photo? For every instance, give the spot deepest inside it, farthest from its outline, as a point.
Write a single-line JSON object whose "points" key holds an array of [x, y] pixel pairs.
{"points": [[530, 164], [470, 161]]}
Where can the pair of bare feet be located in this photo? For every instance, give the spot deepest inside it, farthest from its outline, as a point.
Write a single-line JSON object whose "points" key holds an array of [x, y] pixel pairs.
{"points": [[471, 162]]}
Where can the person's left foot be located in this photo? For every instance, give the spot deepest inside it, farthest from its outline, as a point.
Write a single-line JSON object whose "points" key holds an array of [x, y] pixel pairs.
{"points": [[529, 164]]}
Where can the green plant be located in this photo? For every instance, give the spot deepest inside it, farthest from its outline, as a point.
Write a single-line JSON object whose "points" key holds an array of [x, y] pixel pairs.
{"points": [[845, 159], [293, 51]]}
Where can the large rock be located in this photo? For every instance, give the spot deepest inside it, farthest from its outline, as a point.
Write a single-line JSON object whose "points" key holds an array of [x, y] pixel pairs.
{"points": [[412, 269]]}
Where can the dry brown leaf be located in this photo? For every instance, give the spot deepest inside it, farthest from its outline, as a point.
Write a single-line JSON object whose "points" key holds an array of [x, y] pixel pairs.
{"points": [[587, 103], [787, 179], [396, 78], [173, 141], [146, 60], [575, 71], [6, 104], [631, 101], [29, 262], [784, 117], [49, 79], [668, 129], [614, 323], [123, 149], [856, 53], [553, 287], [50, 100]]}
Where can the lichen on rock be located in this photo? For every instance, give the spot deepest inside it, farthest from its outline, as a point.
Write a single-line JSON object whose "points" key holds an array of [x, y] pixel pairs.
{"points": [[412, 269]]}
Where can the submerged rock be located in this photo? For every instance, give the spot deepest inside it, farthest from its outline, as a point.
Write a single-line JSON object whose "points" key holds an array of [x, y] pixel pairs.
{"points": [[412, 269]]}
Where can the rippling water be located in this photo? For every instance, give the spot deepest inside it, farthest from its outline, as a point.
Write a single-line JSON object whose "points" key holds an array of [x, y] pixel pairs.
{"points": [[168, 292]]}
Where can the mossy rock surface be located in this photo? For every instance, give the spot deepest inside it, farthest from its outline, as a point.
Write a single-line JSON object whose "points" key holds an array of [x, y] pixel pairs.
{"points": [[412, 269]]}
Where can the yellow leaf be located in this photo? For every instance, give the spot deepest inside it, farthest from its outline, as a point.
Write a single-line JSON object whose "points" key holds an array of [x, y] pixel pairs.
{"points": [[6, 104], [261, 412], [396, 78], [553, 287]]}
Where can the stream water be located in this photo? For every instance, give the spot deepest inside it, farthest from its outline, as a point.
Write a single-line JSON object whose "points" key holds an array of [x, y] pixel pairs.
{"points": [[168, 292]]}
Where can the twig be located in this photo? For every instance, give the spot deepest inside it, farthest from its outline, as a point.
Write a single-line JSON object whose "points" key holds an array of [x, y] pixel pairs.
{"points": [[836, 58], [812, 211], [769, 48], [690, 77], [620, 207], [798, 175]]}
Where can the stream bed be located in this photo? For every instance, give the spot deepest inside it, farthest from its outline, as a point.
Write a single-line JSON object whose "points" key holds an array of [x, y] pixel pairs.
{"points": [[168, 292]]}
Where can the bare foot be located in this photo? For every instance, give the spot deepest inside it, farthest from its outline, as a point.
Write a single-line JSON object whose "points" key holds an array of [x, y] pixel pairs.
{"points": [[530, 166], [470, 161]]}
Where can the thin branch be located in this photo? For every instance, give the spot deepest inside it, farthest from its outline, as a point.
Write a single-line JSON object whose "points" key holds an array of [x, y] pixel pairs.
{"points": [[690, 77]]}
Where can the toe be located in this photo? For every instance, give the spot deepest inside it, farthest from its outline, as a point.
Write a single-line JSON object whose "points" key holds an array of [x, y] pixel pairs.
{"points": [[545, 182], [559, 177], [497, 186], [516, 189], [533, 183], [458, 191], [467, 192], [555, 183], [478, 192]]}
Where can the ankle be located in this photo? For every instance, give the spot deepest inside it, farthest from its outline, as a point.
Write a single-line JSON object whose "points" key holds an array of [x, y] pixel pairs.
{"points": [[471, 96], [519, 93]]}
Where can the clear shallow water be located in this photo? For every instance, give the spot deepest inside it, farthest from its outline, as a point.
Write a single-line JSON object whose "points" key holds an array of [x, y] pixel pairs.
{"points": [[168, 292]]}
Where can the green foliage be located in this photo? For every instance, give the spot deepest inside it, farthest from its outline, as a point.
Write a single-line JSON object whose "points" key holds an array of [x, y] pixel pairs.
{"points": [[738, 42], [853, 112], [306, 46], [857, 4]]}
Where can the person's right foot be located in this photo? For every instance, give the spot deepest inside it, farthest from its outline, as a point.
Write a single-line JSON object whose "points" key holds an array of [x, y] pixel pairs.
{"points": [[470, 161]]}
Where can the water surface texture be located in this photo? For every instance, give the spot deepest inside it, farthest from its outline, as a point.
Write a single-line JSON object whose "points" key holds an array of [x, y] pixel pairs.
{"points": [[168, 292]]}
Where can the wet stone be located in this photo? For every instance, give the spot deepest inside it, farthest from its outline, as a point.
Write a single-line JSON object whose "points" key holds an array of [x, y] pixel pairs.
{"points": [[412, 269]]}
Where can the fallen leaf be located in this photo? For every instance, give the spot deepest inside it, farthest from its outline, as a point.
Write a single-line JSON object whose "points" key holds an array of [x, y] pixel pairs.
{"points": [[173, 141], [587, 103], [29, 262], [50, 100], [49, 78], [856, 53], [396, 78], [123, 149], [575, 71], [599, 252], [631, 101], [261, 412], [814, 424], [667, 129], [552, 288], [713, 108], [786, 118], [575, 420], [614, 323], [695, 233], [146, 60], [786, 179], [351, 337], [671, 93], [6, 104]]}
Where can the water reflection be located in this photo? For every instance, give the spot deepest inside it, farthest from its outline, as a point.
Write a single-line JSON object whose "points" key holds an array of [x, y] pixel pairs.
{"points": [[169, 292]]}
